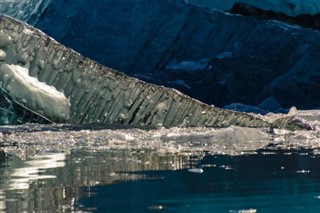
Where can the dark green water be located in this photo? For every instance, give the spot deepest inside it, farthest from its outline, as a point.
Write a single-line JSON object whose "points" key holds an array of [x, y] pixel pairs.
{"points": [[130, 180]]}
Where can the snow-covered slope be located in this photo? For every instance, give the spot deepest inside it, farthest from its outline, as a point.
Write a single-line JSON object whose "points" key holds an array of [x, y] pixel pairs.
{"points": [[290, 7], [36, 96]]}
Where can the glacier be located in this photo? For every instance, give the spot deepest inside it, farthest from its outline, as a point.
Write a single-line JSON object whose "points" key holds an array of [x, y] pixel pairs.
{"points": [[65, 86], [237, 62], [96, 94], [249, 61]]}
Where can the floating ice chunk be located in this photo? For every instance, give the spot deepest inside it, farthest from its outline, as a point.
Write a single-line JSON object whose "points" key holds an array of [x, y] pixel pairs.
{"points": [[195, 170], [303, 171], [37, 96], [188, 65], [293, 111]]}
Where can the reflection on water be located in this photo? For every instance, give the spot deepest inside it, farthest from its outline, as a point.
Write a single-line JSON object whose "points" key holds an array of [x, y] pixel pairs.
{"points": [[52, 181], [251, 183], [62, 168], [143, 180], [34, 168], [2, 201]]}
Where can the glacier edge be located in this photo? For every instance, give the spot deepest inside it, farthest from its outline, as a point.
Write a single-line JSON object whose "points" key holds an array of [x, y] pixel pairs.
{"points": [[100, 95]]}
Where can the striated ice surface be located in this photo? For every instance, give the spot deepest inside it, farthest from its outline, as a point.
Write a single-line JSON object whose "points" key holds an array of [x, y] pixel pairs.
{"points": [[97, 94], [289, 7]]}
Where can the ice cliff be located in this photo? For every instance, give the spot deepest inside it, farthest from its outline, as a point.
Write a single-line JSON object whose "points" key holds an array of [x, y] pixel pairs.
{"points": [[57, 83], [33, 67]]}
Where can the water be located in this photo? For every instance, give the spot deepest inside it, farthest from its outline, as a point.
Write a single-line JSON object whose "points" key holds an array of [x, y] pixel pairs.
{"points": [[252, 183], [60, 168], [145, 181]]}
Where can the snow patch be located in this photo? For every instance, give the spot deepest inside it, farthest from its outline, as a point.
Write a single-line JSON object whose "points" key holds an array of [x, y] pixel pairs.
{"points": [[37, 96]]}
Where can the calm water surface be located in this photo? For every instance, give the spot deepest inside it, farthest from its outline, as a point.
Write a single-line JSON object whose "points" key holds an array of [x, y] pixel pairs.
{"points": [[138, 180]]}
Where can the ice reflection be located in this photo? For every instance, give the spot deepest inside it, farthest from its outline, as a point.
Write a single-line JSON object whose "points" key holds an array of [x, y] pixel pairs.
{"points": [[56, 167], [2, 202], [54, 180], [34, 169], [69, 182]]}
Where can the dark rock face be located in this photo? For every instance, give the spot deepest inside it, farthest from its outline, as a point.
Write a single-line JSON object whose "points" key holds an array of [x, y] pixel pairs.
{"points": [[303, 20], [213, 56]]}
